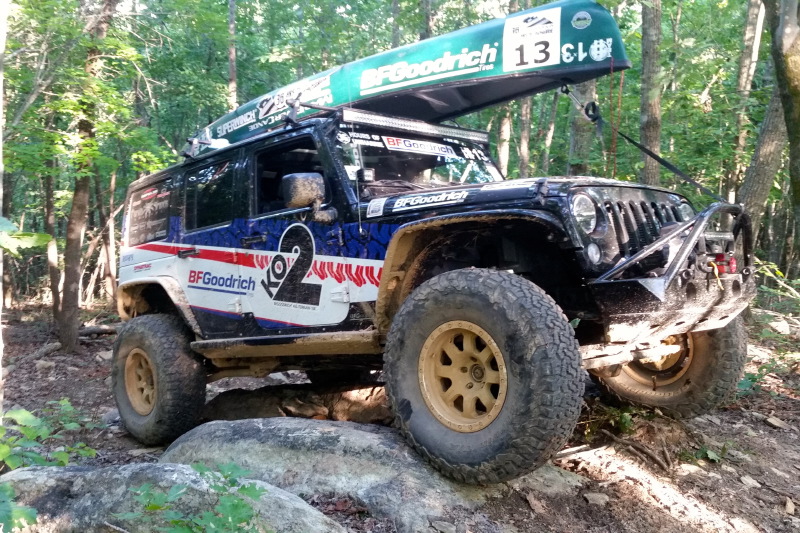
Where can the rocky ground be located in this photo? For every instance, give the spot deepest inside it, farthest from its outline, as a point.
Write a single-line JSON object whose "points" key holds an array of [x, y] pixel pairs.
{"points": [[737, 469]]}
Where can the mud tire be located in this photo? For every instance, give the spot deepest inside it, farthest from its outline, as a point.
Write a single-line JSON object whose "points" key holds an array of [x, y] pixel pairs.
{"points": [[178, 376], [542, 361], [714, 372]]}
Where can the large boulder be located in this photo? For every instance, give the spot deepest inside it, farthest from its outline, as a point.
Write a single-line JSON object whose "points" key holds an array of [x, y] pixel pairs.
{"points": [[370, 464], [84, 500]]}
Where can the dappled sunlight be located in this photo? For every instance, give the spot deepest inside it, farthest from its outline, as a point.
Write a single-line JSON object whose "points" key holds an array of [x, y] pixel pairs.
{"points": [[616, 472]]}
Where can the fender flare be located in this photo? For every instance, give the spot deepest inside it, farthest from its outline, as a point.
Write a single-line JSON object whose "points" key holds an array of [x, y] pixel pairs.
{"points": [[129, 296], [410, 240]]}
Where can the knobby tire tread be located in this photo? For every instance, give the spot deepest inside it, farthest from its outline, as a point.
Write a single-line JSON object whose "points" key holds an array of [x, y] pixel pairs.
{"points": [[534, 440]]}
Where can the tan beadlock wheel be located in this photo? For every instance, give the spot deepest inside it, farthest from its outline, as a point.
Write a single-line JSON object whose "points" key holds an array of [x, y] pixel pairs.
{"points": [[140, 382], [666, 370], [462, 376]]}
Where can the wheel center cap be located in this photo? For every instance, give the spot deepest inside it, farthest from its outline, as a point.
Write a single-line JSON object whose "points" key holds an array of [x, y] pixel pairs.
{"points": [[477, 372]]}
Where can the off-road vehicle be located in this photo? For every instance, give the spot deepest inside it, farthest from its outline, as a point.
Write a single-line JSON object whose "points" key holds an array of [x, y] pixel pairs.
{"points": [[352, 241]]}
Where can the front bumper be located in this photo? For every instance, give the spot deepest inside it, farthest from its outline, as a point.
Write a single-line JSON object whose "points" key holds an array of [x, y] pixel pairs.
{"points": [[685, 294]]}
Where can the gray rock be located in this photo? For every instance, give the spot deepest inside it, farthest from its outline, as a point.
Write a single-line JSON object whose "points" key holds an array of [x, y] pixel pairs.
{"points": [[370, 464], [443, 527], [596, 498], [80, 499], [110, 417]]}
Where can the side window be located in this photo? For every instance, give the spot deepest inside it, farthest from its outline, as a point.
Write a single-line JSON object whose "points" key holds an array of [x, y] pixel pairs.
{"points": [[209, 195], [275, 162], [148, 217]]}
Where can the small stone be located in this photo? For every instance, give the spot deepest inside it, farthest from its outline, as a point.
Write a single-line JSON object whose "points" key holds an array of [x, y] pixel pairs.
{"points": [[777, 423], [714, 419], [789, 507], [443, 527], [44, 365], [779, 473], [596, 498], [747, 481], [685, 469], [104, 355], [781, 326], [107, 381], [536, 506], [729, 469], [143, 451], [737, 456], [110, 417], [750, 432], [73, 369], [758, 416]]}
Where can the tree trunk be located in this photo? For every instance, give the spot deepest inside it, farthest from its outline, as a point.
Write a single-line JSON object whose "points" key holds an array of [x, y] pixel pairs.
{"points": [[650, 125], [548, 138], [3, 31], [504, 139], [428, 25], [766, 161], [747, 68], [395, 23], [582, 132], [52, 246], [69, 316], [782, 16], [232, 97], [524, 136]]}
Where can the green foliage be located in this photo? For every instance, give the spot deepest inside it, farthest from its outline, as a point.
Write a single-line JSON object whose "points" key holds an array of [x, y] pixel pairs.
{"points": [[619, 420], [12, 240], [232, 513], [42, 440], [13, 515]]}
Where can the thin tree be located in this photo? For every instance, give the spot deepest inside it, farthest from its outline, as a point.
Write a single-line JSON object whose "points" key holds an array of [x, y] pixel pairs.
{"points": [[232, 90], [582, 132], [68, 317], [650, 125], [3, 32]]}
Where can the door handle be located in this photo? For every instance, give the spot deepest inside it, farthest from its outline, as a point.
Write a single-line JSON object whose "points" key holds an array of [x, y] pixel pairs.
{"points": [[183, 254], [255, 239]]}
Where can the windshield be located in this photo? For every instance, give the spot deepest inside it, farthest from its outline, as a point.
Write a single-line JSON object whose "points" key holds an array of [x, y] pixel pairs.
{"points": [[384, 162]]}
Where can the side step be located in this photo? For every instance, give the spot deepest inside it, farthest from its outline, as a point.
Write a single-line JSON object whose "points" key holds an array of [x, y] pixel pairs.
{"points": [[334, 343]]}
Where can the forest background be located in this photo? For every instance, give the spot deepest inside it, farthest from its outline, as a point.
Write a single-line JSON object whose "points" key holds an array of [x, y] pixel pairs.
{"points": [[97, 93]]}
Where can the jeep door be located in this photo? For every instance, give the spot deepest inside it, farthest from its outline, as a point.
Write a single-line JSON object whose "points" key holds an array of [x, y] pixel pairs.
{"points": [[296, 261], [212, 225]]}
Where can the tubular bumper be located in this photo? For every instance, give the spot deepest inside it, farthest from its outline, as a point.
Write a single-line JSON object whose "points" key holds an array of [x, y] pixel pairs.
{"points": [[686, 295]]}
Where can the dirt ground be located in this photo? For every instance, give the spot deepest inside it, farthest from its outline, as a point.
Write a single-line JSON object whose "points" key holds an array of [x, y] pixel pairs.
{"points": [[737, 469]]}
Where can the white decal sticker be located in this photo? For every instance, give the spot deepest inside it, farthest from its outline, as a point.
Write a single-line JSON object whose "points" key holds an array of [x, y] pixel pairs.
{"points": [[581, 20], [532, 40], [510, 184], [352, 172], [601, 49], [569, 54], [375, 207], [418, 147], [404, 74], [444, 198]]}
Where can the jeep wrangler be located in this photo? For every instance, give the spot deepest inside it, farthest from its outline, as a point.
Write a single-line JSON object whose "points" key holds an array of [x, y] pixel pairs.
{"points": [[355, 241]]}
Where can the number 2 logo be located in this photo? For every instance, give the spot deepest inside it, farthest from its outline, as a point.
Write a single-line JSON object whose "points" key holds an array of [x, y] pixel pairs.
{"points": [[286, 283]]}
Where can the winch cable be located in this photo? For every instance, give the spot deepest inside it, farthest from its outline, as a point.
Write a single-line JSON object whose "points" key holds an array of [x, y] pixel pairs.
{"points": [[592, 112]]}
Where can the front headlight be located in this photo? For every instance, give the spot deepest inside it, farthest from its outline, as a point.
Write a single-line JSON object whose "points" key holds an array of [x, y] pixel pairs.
{"points": [[585, 213], [685, 211]]}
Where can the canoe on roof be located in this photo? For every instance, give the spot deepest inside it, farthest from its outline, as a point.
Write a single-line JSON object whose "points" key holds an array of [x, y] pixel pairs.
{"points": [[443, 77]]}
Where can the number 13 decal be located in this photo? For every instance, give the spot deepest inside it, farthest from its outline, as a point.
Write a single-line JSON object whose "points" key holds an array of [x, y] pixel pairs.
{"points": [[286, 283], [541, 53]]}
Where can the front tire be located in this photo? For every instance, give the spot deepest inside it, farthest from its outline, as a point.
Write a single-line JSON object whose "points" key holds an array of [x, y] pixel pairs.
{"points": [[483, 373], [703, 375], [158, 382]]}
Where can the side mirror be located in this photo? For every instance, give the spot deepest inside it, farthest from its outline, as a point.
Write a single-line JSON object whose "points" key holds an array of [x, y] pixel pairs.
{"points": [[303, 189]]}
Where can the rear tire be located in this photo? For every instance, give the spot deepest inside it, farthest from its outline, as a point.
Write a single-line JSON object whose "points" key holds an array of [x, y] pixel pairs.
{"points": [[483, 373], [159, 384], [704, 375]]}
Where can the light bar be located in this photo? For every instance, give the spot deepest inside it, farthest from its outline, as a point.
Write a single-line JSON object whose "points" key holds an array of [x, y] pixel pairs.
{"points": [[416, 126]]}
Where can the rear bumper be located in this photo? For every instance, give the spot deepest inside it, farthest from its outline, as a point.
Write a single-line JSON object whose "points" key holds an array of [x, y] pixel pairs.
{"points": [[686, 295]]}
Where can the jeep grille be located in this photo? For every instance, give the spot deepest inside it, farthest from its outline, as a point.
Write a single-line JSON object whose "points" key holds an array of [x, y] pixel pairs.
{"points": [[638, 223]]}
